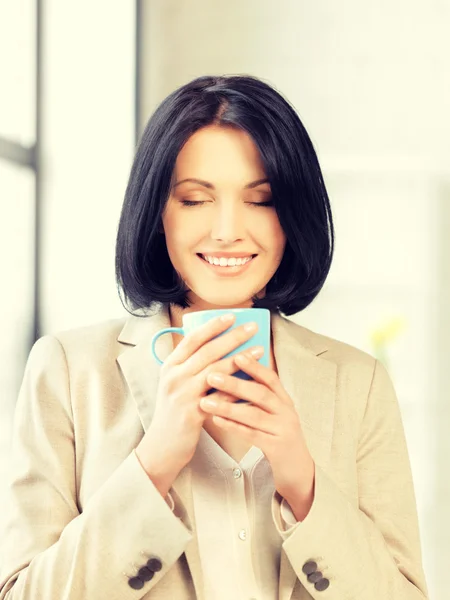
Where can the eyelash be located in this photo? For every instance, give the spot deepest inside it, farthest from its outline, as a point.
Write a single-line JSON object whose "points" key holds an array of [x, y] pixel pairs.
{"points": [[193, 203]]}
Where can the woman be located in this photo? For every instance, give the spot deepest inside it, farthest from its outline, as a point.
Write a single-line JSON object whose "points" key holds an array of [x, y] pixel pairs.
{"points": [[126, 483]]}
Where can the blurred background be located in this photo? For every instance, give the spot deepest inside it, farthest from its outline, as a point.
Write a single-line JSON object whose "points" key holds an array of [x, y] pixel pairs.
{"points": [[371, 83]]}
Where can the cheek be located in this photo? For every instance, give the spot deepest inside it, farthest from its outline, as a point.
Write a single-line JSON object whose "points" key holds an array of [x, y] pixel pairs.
{"points": [[177, 233], [281, 242], [273, 234]]}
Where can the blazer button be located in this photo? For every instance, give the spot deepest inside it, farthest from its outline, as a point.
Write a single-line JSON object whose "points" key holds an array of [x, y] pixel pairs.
{"points": [[136, 583], [322, 584], [312, 577], [154, 564], [145, 573], [309, 567]]}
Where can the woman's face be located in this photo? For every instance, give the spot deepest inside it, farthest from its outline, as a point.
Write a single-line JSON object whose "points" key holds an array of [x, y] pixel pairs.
{"points": [[231, 219]]}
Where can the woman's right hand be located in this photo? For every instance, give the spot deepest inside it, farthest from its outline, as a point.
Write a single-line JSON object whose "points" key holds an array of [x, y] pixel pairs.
{"points": [[170, 441]]}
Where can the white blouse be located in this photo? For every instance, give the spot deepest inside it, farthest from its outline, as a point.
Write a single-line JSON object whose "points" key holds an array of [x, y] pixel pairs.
{"points": [[243, 561]]}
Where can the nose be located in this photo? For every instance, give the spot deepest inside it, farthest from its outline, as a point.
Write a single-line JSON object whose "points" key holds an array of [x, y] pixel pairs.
{"points": [[228, 223]]}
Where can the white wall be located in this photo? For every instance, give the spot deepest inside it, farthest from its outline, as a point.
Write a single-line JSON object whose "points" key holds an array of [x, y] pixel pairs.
{"points": [[370, 82], [88, 146]]}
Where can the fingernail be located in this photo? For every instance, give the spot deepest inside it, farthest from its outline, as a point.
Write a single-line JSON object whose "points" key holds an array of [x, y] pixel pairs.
{"points": [[227, 318], [250, 327], [257, 352], [209, 402]]}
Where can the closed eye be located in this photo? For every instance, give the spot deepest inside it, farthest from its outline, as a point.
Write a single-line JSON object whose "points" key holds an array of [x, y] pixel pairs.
{"points": [[193, 203]]}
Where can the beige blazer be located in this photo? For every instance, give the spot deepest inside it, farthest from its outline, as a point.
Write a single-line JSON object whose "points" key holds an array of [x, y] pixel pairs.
{"points": [[84, 516]]}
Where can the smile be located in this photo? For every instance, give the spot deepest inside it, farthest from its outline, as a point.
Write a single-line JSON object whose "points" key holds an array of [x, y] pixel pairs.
{"points": [[227, 270]]}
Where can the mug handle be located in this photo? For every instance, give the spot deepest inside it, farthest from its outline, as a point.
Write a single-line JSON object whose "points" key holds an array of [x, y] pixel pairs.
{"points": [[179, 330]]}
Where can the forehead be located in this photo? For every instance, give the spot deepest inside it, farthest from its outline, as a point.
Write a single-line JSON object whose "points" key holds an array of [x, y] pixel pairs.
{"points": [[220, 151]]}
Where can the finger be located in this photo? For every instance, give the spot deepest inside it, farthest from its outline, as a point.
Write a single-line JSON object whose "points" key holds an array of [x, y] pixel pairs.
{"points": [[196, 351], [244, 414], [228, 365], [262, 374], [197, 338], [247, 390], [217, 397], [215, 350], [224, 365], [254, 436]]}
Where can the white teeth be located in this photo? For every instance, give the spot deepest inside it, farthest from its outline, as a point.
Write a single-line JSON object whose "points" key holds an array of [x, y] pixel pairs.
{"points": [[227, 262]]}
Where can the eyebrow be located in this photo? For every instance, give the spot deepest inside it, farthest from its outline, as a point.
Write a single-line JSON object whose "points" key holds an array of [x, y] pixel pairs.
{"points": [[210, 186]]}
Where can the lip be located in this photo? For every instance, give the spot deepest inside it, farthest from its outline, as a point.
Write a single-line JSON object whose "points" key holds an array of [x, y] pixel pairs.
{"points": [[227, 271]]}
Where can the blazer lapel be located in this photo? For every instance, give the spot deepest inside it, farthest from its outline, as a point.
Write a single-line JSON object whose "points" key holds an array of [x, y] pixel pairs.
{"points": [[309, 380]]}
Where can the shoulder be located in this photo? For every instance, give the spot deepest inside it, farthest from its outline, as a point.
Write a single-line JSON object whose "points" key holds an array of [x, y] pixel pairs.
{"points": [[319, 343], [101, 332], [329, 348], [83, 344]]}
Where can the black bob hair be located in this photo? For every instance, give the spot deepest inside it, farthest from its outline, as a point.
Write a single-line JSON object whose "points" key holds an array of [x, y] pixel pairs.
{"points": [[143, 268]]}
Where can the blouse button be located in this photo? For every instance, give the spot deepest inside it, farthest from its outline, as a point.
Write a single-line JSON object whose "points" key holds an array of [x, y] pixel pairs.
{"points": [[243, 534], [237, 473]]}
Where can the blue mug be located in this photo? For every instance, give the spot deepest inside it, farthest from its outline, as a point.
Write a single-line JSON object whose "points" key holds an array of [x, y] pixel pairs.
{"points": [[193, 320]]}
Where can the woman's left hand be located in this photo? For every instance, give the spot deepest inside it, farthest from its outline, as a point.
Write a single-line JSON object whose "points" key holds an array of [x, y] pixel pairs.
{"points": [[270, 422]]}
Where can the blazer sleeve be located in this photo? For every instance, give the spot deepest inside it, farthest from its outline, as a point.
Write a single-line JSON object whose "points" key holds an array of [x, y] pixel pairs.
{"points": [[371, 551], [50, 549]]}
